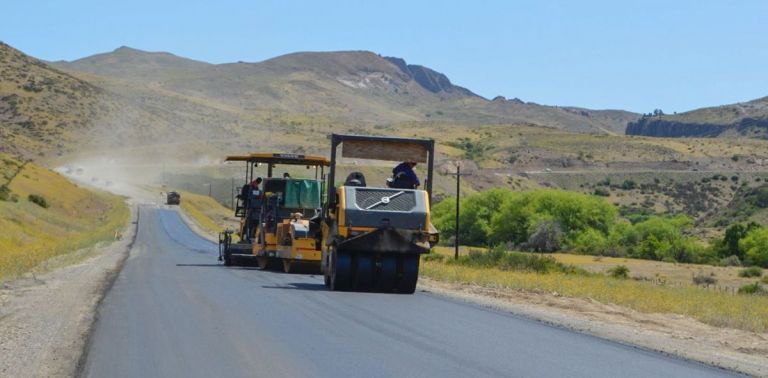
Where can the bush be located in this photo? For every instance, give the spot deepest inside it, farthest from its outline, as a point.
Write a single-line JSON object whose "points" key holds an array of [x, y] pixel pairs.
{"points": [[476, 213], [752, 271], [5, 193], [433, 257], [591, 242], [546, 237], [619, 271], [753, 288], [755, 247], [704, 279], [628, 185], [602, 192], [38, 200], [523, 214], [499, 257], [730, 261], [729, 245]]}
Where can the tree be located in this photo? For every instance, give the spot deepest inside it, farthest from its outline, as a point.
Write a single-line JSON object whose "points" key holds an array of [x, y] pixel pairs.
{"points": [[755, 247], [729, 245]]}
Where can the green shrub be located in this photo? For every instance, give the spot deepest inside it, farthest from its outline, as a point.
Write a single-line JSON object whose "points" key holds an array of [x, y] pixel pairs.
{"points": [[753, 288], [475, 218], [752, 271], [619, 271], [755, 247], [602, 192], [628, 185], [591, 242], [729, 245], [520, 215], [499, 257], [38, 200], [730, 261], [5, 193]]}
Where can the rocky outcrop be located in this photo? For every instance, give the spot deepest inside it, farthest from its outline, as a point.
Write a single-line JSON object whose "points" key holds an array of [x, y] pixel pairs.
{"points": [[429, 79], [661, 127]]}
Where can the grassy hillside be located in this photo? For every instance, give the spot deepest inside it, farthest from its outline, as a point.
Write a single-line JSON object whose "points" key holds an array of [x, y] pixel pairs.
{"points": [[41, 108], [74, 217]]}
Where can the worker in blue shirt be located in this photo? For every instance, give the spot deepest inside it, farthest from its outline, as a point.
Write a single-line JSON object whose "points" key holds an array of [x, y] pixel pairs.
{"points": [[403, 173]]}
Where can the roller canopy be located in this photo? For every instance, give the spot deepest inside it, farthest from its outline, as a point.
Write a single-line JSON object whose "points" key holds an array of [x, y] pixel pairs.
{"points": [[285, 159], [385, 149]]}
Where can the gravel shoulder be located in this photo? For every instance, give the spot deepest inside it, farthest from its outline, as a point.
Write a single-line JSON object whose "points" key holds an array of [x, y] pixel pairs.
{"points": [[742, 351], [45, 319]]}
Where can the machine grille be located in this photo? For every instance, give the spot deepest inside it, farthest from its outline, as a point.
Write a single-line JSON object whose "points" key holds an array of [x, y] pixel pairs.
{"points": [[386, 200]]}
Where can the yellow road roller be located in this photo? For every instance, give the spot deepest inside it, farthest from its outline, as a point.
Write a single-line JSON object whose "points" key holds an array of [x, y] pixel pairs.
{"points": [[375, 231]]}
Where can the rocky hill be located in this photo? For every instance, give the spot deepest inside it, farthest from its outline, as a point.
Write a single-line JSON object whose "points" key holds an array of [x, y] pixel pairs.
{"points": [[354, 87], [748, 119], [41, 108]]}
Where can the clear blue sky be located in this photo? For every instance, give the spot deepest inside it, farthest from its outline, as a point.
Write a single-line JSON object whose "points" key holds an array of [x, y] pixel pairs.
{"points": [[639, 55]]}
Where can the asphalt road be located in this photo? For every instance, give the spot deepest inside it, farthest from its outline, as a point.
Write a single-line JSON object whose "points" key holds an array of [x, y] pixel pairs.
{"points": [[175, 312]]}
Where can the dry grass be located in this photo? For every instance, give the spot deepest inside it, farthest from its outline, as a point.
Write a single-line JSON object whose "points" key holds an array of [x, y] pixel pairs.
{"points": [[674, 273], [711, 307], [208, 213], [77, 218]]}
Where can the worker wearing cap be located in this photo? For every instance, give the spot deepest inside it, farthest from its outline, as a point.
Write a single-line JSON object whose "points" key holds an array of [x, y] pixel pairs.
{"points": [[406, 169]]}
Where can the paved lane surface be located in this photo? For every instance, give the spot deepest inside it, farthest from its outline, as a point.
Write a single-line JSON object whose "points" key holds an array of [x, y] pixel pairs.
{"points": [[175, 312]]}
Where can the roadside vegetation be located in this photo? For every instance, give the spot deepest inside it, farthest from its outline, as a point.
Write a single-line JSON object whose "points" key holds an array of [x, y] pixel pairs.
{"points": [[554, 220], [543, 273], [209, 214], [43, 215]]}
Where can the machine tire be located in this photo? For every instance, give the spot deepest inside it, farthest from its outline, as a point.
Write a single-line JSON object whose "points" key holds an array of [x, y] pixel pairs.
{"points": [[409, 274], [364, 271], [227, 258], [341, 271], [387, 277], [287, 266]]}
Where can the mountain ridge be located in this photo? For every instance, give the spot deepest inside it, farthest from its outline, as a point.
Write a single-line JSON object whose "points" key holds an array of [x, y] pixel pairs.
{"points": [[351, 86]]}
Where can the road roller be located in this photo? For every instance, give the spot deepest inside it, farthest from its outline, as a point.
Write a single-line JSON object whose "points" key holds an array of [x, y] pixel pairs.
{"points": [[373, 232], [280, 225]]}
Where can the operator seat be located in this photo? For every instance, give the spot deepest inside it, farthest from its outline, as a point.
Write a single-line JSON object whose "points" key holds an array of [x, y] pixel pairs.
{"points": [[355, 179]]}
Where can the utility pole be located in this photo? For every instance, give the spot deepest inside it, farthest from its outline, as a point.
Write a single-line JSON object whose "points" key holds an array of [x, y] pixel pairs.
{"points": [[458, 175], [209, 190]]}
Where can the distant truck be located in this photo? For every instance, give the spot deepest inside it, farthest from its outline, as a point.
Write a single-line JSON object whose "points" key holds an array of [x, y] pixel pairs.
{"points": [[173, 198]]}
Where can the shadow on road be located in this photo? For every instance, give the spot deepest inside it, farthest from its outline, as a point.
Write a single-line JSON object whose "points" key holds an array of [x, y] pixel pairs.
{"points": [[219, 266], [298, 286]]}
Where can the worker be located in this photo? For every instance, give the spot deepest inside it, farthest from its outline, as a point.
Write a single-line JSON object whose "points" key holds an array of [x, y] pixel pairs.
{"points": [[286, 175], [253, 204], [404, 177]]}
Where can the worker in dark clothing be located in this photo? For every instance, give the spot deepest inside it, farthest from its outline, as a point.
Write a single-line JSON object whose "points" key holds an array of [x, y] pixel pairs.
{"points": [[252, 202], [404, 177]]}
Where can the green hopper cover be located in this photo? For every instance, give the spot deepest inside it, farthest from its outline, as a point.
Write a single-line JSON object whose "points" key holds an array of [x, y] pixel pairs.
{"points": [[302, 194]]}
